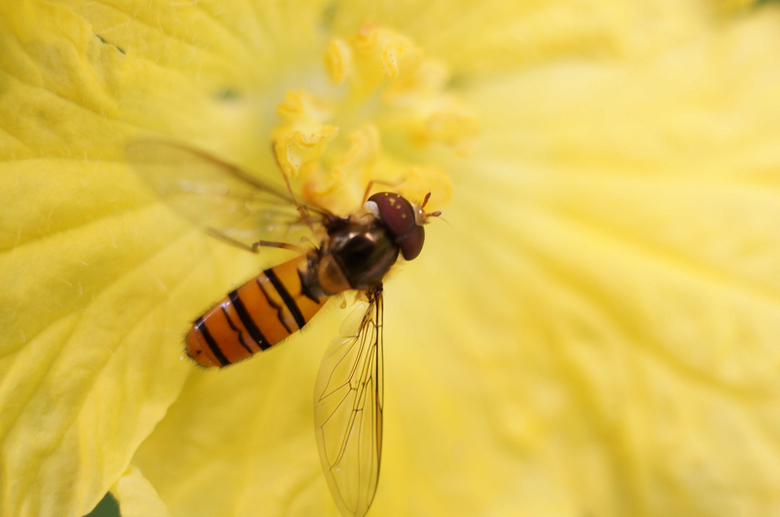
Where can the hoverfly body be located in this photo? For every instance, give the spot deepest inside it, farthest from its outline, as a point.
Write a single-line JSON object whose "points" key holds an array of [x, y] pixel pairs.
{"points": [[353, 253]]}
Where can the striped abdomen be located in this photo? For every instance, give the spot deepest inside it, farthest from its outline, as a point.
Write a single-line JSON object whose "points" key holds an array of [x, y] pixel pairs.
{"points": [[255, 316]]}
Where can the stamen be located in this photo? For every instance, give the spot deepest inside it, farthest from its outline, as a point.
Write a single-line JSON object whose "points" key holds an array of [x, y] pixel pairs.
{"points": [[302, 138], [389, 92]]}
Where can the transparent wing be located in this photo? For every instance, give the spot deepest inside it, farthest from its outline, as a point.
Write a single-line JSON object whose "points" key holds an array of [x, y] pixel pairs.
{"points": [[348, 401], [219, 197]]}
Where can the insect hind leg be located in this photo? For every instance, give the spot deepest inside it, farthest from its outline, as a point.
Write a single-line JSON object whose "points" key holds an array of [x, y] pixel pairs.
{"points": [[274, 244], [254, 247]]}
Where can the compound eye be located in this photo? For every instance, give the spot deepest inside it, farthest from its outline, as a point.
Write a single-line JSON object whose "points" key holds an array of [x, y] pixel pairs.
{"points": [[397, 213], [412, 243], [399, 216]]}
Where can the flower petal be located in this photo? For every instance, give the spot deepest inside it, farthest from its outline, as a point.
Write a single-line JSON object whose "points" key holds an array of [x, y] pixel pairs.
{"points": [[137, 497], [244, 435], [594, 335], [504, 35], [93, 272], [572, 355], [620, 252]]}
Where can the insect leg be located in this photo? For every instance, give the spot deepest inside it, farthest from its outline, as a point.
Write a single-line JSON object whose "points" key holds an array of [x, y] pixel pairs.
{"points": [[378, 182], [255, 245], [303, 210], [224, 238], [274, 244]]}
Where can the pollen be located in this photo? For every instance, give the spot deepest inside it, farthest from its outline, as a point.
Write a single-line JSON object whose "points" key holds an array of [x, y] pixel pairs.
{"points": [[388, 106]]}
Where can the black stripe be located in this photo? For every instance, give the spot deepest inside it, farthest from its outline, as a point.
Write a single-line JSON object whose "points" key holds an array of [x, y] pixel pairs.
{"points": [[279, 309], [236, 330], [247, 321], [201, 326], [294, 310]]}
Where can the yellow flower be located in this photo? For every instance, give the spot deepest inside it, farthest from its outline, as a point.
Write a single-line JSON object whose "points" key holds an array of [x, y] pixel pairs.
{"points": [[595, 332]]}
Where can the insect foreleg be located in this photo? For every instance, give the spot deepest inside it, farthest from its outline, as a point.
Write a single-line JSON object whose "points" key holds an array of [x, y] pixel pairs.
{"points": [[378, 182]]}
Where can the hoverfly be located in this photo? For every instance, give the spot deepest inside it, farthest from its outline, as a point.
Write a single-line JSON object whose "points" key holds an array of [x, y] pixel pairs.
{"points": [[351, 253]]}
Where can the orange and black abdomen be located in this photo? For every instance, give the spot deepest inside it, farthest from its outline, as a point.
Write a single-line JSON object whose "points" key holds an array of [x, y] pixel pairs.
{"points": [[254, 317]]}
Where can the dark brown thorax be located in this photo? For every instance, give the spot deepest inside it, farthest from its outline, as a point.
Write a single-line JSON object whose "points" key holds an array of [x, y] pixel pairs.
{"points": [[360, 249]]}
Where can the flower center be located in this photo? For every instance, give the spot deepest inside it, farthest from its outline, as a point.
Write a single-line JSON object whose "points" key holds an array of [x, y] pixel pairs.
{"points": [[388, 103]]}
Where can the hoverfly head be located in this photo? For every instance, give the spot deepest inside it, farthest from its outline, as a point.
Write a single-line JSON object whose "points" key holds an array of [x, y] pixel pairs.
{"points": [[403, 220]]}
